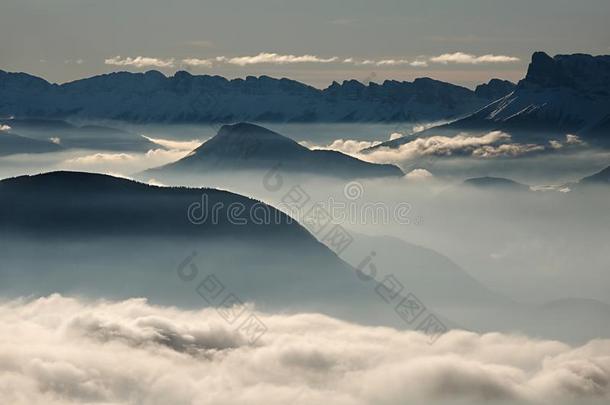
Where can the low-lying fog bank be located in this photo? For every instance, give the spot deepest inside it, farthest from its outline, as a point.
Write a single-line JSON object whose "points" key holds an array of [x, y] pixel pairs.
{"points": [[60, 350]]}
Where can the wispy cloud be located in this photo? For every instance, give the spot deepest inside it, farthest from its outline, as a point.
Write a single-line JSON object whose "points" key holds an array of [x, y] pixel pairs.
{"points": [[419, 63], [506, 150], [100, 157], [494, 144], [469, 59], [140, 61], [386, 62], [392, 62], [457, 57], [418, 174], [197, 62], [347, 146], [570, 141], [491, 145], [176, 145], [274, 58], [573, 140], [123, 163]]}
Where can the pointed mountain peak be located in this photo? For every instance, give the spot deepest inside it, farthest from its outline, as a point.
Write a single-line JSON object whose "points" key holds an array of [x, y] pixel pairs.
{"points": [[245, 146], [244, 140], [246, 129]]}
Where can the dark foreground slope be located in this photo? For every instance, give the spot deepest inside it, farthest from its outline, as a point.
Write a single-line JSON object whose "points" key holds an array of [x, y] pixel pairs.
{"points": [[102, 236], [99, 236]]}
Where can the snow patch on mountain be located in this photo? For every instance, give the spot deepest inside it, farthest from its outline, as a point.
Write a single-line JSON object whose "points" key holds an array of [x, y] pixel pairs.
{"points": [[153, 97]]}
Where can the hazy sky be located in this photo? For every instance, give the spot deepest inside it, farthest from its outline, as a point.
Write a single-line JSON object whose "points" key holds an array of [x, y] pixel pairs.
{"points": [[315, 41]]}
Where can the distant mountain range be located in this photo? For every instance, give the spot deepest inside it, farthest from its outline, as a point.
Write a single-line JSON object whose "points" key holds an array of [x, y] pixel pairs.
{"points": [[12, 143], [565, 94], [153, 97], [246, 146], [496, 184], [601, 177], [495, 89], [66, 135]]}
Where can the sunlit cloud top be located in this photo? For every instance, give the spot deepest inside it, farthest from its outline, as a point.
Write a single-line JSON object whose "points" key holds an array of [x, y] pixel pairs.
{"points": [[271, 58]]}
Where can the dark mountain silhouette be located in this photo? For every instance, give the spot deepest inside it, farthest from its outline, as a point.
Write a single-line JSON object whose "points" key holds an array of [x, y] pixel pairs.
{"points": [[12, 143], [496, 183], [565, 94], [601, 177], [153, 97], [65, 203], [495, 89], [103, 236], [251, 147], [80, 137]]}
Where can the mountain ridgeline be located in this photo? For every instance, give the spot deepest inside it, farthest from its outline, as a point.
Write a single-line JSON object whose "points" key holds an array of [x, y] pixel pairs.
{"points": [[35, 135], [565, 94], [246, 146], [152, 97], [81, 204], [560, 95], [84, 233], [600, 178], [496, 184], [13, 143]]}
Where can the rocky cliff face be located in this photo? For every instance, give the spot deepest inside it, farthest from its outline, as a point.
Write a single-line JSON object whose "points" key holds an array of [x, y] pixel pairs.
{"points": [[495, 89], [578, 71], [565, 94]]}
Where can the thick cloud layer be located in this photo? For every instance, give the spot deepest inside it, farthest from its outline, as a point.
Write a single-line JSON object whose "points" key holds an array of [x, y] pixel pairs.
{"points": [[128, 163], [58, 350], [495, 144]]}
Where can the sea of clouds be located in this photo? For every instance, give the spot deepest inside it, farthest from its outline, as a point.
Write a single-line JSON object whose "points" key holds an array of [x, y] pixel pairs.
{"points": [[495, 144], [60, 350]]}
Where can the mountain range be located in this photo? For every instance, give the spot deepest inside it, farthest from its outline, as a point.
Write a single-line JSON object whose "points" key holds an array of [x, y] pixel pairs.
{"points": [[71, 136], [496, 184], [152, 97], [13, 143], [245, 146], [600, 178], [560, 95]]}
